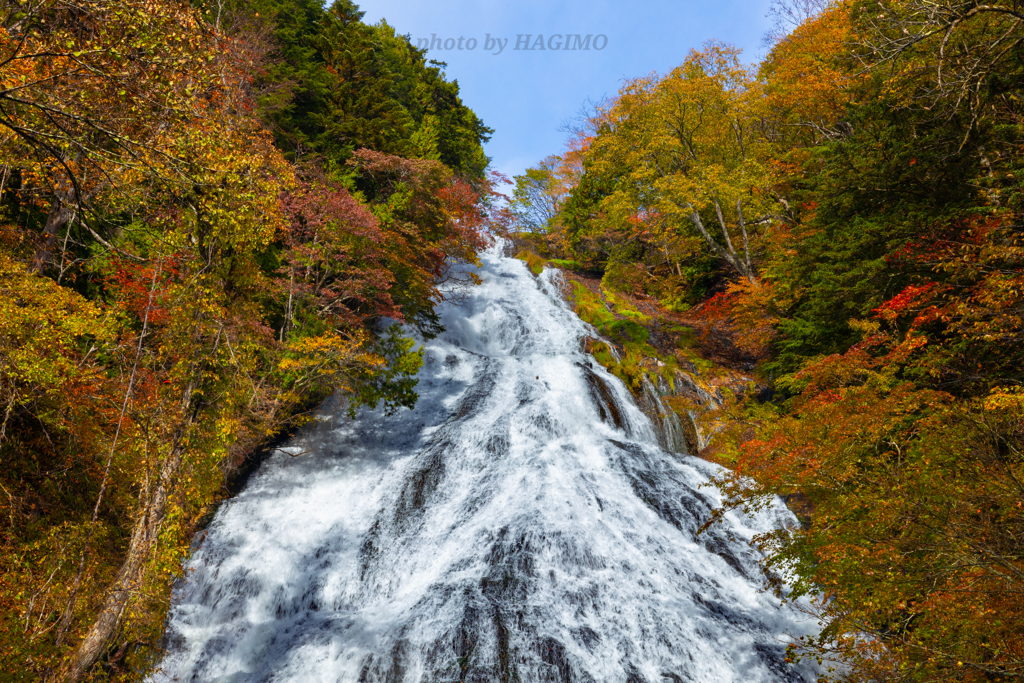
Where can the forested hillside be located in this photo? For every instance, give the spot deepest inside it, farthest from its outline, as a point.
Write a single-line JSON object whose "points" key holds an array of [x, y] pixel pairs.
{"points": [[209, 214], [851, 207]]}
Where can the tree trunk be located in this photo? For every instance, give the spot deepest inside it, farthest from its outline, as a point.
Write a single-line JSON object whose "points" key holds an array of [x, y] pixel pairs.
{"points": [[741, 264], [60, 215], [129, 578]]}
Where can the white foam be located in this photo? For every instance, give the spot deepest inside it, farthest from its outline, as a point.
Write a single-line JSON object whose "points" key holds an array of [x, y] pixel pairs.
{"points": [[501, 530]]}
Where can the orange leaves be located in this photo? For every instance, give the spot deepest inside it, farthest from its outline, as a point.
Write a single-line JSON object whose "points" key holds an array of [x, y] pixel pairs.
{"points": [[466, 214], [1008, 399], [912, 550], [719, 306], [895, 306], [810, 74], [140, 289], [331, 359], [966, 313]]}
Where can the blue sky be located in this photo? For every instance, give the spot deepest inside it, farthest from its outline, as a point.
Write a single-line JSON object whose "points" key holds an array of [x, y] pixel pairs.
{"points": [[526, 96]]}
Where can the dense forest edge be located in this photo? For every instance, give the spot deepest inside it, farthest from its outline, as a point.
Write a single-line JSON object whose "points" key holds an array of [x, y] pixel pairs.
{"points": [[844, 219], [211, 217]]}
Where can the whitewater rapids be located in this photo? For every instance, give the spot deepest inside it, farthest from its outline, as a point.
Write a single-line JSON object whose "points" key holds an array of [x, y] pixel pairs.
{"points": [[520, 524]]}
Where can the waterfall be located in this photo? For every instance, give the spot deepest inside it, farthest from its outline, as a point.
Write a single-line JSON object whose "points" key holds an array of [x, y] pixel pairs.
{"points": [[520, 524]]}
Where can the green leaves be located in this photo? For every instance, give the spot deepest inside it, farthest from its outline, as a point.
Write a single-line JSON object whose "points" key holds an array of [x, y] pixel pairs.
{"points": [[343, 85]]}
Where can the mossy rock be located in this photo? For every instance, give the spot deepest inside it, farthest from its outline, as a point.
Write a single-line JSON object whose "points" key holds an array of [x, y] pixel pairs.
{"points": [[627, 328], [601, 352], [623, 307], [685, 337], [590, 308]]}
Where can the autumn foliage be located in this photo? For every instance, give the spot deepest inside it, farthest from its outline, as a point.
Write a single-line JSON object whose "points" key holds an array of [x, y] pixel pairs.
{"points": [[852, 208], [178, 284]]}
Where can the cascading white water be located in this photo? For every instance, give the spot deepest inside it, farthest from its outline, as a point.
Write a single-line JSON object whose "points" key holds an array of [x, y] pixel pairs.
{"points": [[520, 524]]}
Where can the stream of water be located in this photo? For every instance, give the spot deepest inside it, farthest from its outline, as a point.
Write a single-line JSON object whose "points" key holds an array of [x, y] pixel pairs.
{"points": [[520, 524]]}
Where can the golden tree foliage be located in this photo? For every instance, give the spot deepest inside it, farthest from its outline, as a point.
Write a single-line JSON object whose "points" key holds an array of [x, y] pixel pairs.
{"points": [[694, 153], [808, 78], [92, 96]]}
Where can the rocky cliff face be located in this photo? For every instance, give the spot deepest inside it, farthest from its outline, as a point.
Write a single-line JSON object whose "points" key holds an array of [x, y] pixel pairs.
{"points": [[680, 379], [683, 404]]}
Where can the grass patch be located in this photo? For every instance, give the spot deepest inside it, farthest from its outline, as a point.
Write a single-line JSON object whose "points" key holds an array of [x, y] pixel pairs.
{"points": [[623, 307], [566, 264], [633, 335], [668, 371], [676, 304], [686, 338], [627, 328], [590, 308], [628, 368], [703, 365], [601, 352], [535, 263]]}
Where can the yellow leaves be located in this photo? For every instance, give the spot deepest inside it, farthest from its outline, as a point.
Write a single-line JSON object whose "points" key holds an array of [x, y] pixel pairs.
{"points": [[118, 122], [331, 357], [41, 326], [227, 429], [808, 78], [331, 344], [1010, 399], [688, 139], [867, 328]]}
